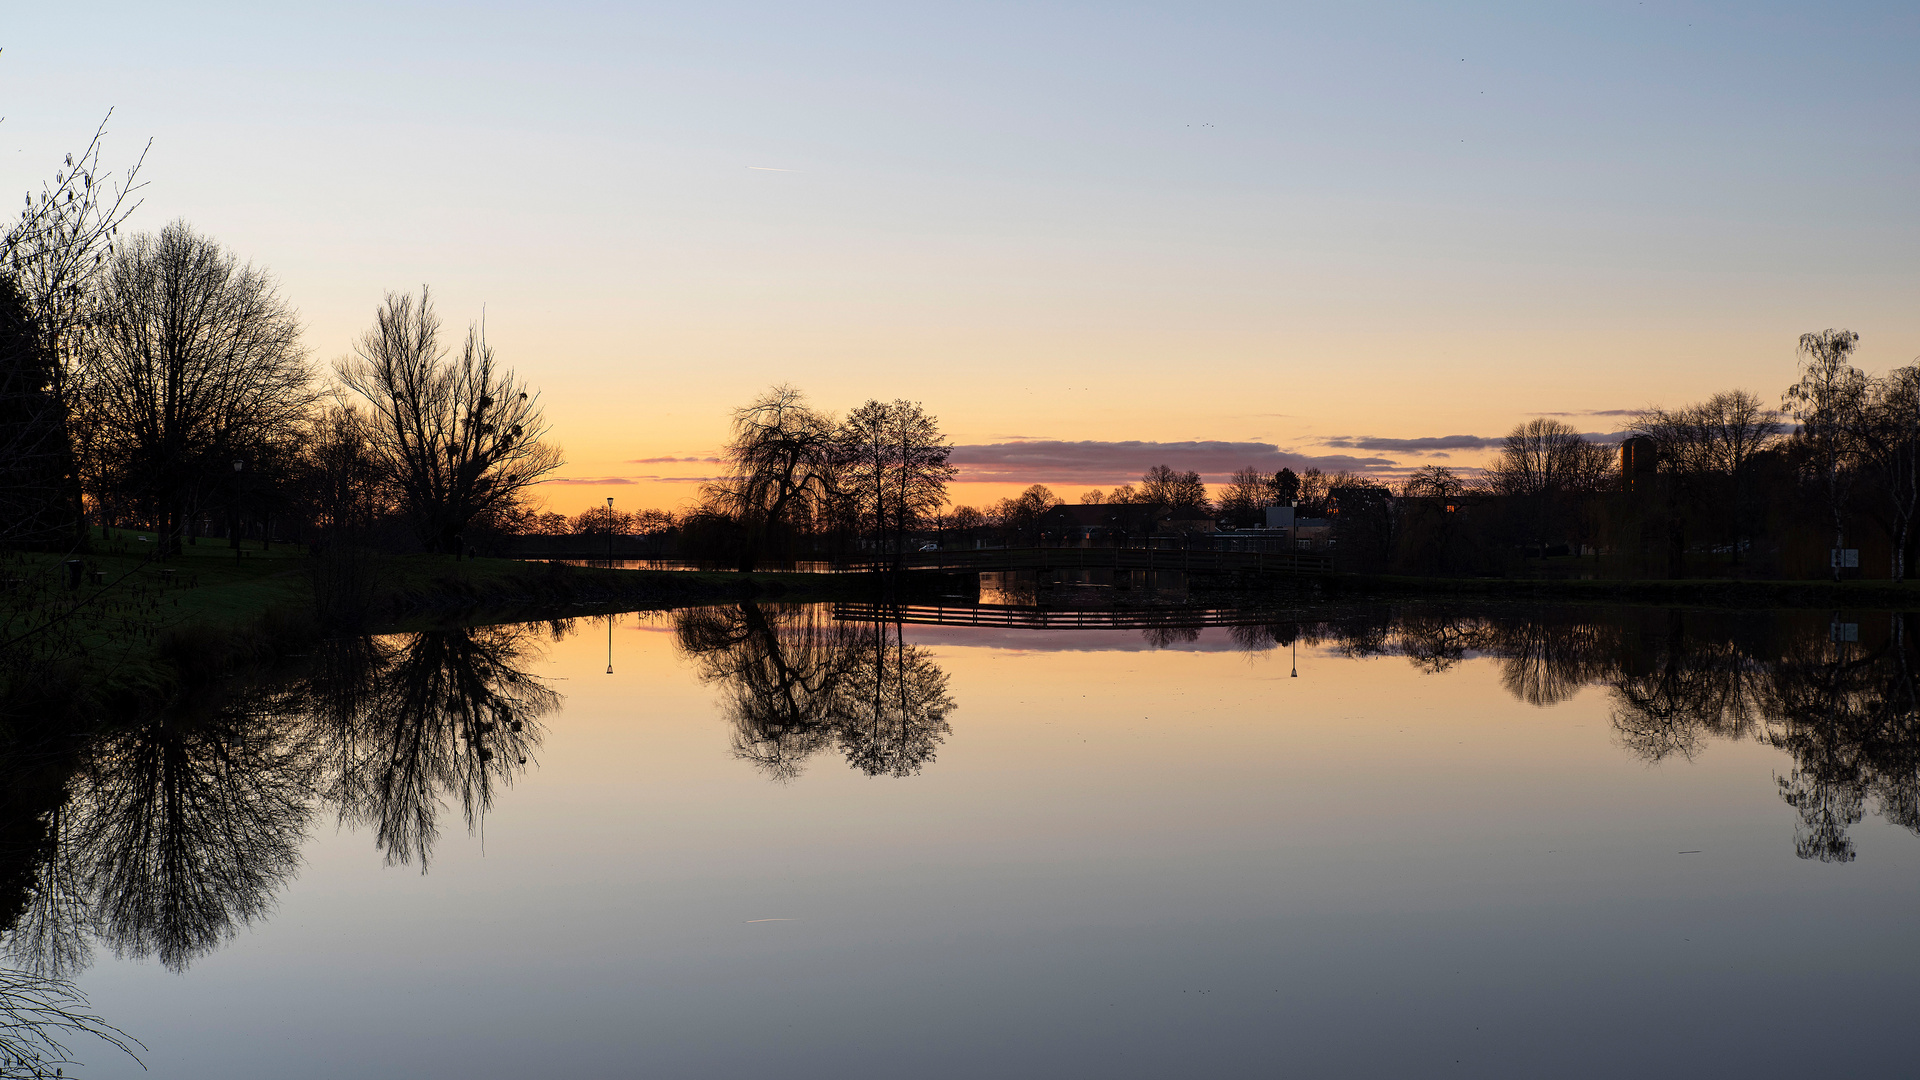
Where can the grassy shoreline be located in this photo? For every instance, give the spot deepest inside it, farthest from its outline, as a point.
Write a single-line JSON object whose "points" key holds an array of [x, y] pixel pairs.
{"points": [[139, 626]]}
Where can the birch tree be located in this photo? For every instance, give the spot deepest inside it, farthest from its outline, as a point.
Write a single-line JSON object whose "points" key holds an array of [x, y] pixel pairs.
{"points": [[1829, 401]]}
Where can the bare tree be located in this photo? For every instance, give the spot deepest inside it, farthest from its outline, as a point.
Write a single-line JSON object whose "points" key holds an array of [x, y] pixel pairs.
{"points": [[1019, 518], [193, 359], [462, 440], [50, 259], [1247, 494], [893, 460], [1543, 464], [1829, 401], [1893, 442], [1311, 489], [1182, 492], [780, 457], [1707, 451]]}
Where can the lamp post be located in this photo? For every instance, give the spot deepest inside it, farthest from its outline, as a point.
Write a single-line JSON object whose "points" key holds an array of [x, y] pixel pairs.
{"points": [[609, 557], [609, 644], [233, 534], [1296, 652]]}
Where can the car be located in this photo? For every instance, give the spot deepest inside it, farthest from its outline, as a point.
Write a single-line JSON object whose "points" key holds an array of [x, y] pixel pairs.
{"points": [[930, 546]]}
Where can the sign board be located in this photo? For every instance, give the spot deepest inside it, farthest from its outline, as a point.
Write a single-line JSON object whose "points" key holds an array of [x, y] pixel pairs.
{"points": [[1846, 558]]}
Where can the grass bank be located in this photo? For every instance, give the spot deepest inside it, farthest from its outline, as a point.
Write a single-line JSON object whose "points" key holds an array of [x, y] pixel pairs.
{"points": [[138, 625]]}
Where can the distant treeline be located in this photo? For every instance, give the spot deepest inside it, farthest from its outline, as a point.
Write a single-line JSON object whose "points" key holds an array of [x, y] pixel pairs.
{"points": [[1725, 487]]}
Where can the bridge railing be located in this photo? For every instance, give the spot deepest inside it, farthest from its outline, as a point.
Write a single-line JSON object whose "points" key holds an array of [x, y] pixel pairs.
{"points": [[1113, 558], [1034, 618]]}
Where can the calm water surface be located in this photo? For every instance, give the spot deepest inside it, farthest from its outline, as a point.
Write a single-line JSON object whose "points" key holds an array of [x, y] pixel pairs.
{"points": [[770, 842]]}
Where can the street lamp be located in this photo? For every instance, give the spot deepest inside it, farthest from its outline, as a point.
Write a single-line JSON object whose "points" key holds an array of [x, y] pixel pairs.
{"points": [[609, 550]]}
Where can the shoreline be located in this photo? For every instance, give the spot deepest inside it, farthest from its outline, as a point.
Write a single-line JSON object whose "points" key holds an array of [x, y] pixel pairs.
{"points": [[153, 627]]}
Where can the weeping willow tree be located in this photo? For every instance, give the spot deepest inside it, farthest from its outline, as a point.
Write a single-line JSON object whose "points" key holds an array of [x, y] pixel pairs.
{"points": [[780, 467]]}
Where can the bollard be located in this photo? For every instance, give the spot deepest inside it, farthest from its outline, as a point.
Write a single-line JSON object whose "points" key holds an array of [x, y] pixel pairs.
{"points": [[73, 573]]}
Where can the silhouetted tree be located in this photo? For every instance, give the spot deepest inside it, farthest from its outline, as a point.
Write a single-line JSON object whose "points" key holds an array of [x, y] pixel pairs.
{"points": [[462, 440], [1283, 488], [1312, 492], [1182, 493], [893, 467], [1545, 468], [1019, 518], [194, 360], [1244, 502], [780, 459], [34, 458], [53, 256], [1891, 441], [1830, 402], [1706, 455]]}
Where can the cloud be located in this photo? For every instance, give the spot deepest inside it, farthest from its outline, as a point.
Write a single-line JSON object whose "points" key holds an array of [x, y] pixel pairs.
{"points": [[1414, 446], [1436, 445], [1039, 461], [596, 481], [672, 460], [1592, 412]]}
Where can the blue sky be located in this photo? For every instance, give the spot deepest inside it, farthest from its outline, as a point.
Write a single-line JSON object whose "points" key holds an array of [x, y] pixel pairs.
{"points": [[1290, 226]]}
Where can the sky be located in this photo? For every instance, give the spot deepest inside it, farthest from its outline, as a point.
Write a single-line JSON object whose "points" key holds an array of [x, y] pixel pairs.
{"points": [[1088, 238]]}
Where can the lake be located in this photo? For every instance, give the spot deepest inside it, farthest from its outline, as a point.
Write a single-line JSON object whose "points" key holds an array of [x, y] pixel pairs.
{"points": [[766, 840]]}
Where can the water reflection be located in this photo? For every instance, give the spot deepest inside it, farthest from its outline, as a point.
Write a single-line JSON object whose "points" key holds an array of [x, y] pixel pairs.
{"points": [[797, 681], [1839, 697], [408, 723], [171, 834], [1836, 693], [181, 831], [163, 836]]}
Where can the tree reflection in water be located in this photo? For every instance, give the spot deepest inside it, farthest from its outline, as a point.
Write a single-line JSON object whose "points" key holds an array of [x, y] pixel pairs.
{"points": [[1838, 697], [798, 681], [183, 831], [162, 837], [175, 832], [407, 722]]}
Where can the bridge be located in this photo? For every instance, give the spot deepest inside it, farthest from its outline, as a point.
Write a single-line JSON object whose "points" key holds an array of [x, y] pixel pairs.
{"points": [[1200, 561]]}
